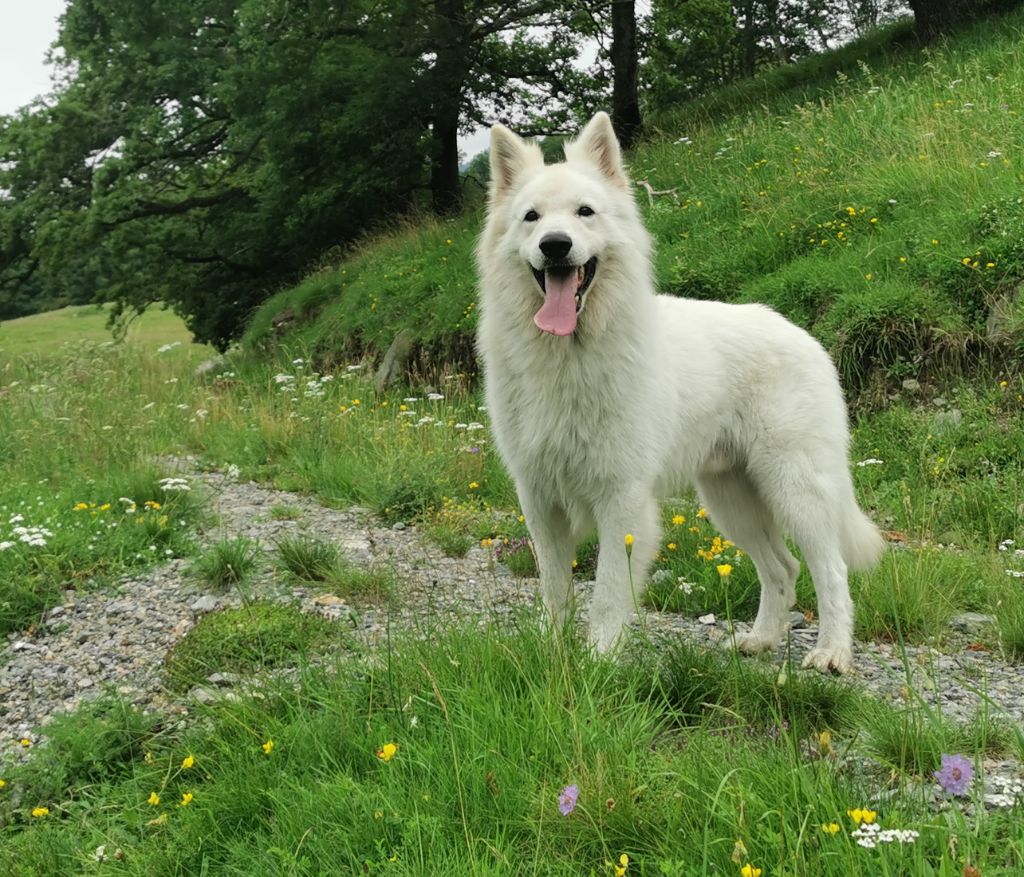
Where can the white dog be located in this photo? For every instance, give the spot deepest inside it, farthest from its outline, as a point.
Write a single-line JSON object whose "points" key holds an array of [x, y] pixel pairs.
{"points": [[605, 397]]}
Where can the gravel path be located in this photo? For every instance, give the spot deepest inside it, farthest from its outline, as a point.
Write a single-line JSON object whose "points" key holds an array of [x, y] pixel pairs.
{"points": [[116, 639]]}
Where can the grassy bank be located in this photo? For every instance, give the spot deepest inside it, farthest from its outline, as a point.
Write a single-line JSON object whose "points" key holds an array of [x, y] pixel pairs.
{"points": [[873, 197]]}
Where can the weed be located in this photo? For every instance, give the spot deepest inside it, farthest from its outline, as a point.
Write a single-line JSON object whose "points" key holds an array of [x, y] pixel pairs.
{"points": [[227, 562]]}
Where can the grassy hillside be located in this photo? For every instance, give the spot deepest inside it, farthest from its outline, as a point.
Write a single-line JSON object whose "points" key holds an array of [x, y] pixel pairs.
{"points": [[873, 196]]}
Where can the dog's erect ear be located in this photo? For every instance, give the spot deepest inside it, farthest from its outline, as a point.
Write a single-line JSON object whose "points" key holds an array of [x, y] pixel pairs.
{"points": [[510, 156], [598, 145]]}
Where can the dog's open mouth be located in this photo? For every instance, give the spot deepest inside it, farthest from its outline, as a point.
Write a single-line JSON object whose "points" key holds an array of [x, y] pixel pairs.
{"points": [[565, 288]]}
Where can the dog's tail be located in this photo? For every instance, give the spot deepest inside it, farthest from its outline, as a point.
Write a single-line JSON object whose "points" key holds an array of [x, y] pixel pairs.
{"points": [[862, 543]]}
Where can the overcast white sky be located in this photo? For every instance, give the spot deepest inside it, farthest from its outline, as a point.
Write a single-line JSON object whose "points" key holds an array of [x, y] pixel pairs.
{"points": [[28, 27]]}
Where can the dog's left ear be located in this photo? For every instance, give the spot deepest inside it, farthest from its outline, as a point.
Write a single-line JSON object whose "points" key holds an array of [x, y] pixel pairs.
{"points": [[598, 145]]}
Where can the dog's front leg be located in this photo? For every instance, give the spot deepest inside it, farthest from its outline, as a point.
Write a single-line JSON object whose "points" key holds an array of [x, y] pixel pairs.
{"points": [[554, 547], [621, 567]]}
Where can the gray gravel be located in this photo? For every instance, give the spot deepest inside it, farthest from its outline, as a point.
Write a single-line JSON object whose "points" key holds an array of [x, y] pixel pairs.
{"points": [[116, 640]]}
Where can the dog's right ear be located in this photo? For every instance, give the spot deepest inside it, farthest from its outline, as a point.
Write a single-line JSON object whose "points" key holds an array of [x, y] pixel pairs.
{"points": [[510, 156]]}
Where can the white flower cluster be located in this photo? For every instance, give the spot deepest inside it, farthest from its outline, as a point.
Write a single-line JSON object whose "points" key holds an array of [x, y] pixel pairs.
{"points": [[1016, 553], [166, 347], [870, 461], [315, 386], [870, 835], [175, 485], [34, 537]]}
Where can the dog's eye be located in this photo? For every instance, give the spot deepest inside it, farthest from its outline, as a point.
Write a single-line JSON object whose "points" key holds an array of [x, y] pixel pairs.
{"points": [[585, 211], [531, 216]]}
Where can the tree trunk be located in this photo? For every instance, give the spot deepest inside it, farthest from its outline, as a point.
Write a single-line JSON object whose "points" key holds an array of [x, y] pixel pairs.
{"points": [[450, 39], [625, 101], [748, 40]]}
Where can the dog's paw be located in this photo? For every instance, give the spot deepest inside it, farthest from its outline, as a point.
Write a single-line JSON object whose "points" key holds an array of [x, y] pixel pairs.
{"points": [[754, 643], [826, 660]]}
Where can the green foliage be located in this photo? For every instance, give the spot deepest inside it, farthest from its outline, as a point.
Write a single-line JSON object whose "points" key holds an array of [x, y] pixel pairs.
{"points": [[98, 743], [256, 636], [227, 562]]}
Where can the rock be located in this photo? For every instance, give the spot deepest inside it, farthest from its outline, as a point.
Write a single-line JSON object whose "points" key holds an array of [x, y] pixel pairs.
{"points": [[971, 622], [206, 603], [85, 682], [947, 421], [392, 366], [911, 386], [707, 619], [797, 621], [398, 526]]}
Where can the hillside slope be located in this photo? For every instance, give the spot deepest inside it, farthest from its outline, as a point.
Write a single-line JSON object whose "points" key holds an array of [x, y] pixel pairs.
{"points": [[874, 197]]}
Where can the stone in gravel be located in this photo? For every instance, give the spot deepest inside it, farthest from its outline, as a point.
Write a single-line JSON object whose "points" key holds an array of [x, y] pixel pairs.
{"points": [[797, 621], [223, 680], [85, 682], [911, 386], [328, 600], [206, 603], [398, 525], [971, 622], [707, 619]]}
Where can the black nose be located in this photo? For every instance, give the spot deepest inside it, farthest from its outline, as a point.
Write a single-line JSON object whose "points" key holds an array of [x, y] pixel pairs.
{"points": [[556, 245]]}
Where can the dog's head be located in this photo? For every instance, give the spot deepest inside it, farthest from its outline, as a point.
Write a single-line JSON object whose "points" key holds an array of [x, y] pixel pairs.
{"points": [[564, 225]]}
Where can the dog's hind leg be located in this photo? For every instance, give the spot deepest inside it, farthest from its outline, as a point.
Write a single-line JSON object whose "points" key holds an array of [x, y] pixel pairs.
{"points": [[554, 546], [737, 509], [810, 498], [622, 569]]}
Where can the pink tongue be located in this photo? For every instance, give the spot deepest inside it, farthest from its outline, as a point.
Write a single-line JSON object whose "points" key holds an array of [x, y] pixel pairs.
{"points": [[558, 313]]}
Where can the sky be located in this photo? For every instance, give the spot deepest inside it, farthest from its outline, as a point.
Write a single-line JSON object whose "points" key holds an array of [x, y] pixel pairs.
{"points": [[27, 31]]}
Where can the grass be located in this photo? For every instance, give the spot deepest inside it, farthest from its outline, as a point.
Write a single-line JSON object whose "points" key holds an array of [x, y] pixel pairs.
{"points": [[871, 196], [680, 763], [87, 325], [227, 562]]}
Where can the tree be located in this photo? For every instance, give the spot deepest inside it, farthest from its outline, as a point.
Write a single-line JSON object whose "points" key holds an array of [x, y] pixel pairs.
{"points": [[625, 62], [935, 18]]}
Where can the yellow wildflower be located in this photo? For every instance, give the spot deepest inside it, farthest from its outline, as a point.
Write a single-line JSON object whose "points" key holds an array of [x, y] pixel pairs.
{"points": [[473, 485], [188, 761], [671, 546], [267, 747], [749, 870], [724, 569], [702, 512], [26, 742], [3, 782], [186, 799], [859, 815], [678, 520], [40, 811], [153, 799], [830, 828], [81, 506], [387, 751], [629, 543]]}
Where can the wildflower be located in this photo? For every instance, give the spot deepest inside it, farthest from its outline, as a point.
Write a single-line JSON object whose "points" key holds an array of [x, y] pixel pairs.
{"points": [[830, 828], [40, 811], [567, 799], [749, 870], [25, 742], [188, 761], [702, 513], [486, 543], [621, 867], [473, 485], [153, 799], [80, 506], [267, 747], [724, 569], [5, 545], [186, 799], [678, 520], [387, 751], [3, 782], [955, 775], [825, 743], [861, 815], [629, 543]]}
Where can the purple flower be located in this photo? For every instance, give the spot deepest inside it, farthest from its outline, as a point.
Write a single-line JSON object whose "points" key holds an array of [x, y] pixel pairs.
{"points": [[955, 775], [567, 800]]}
